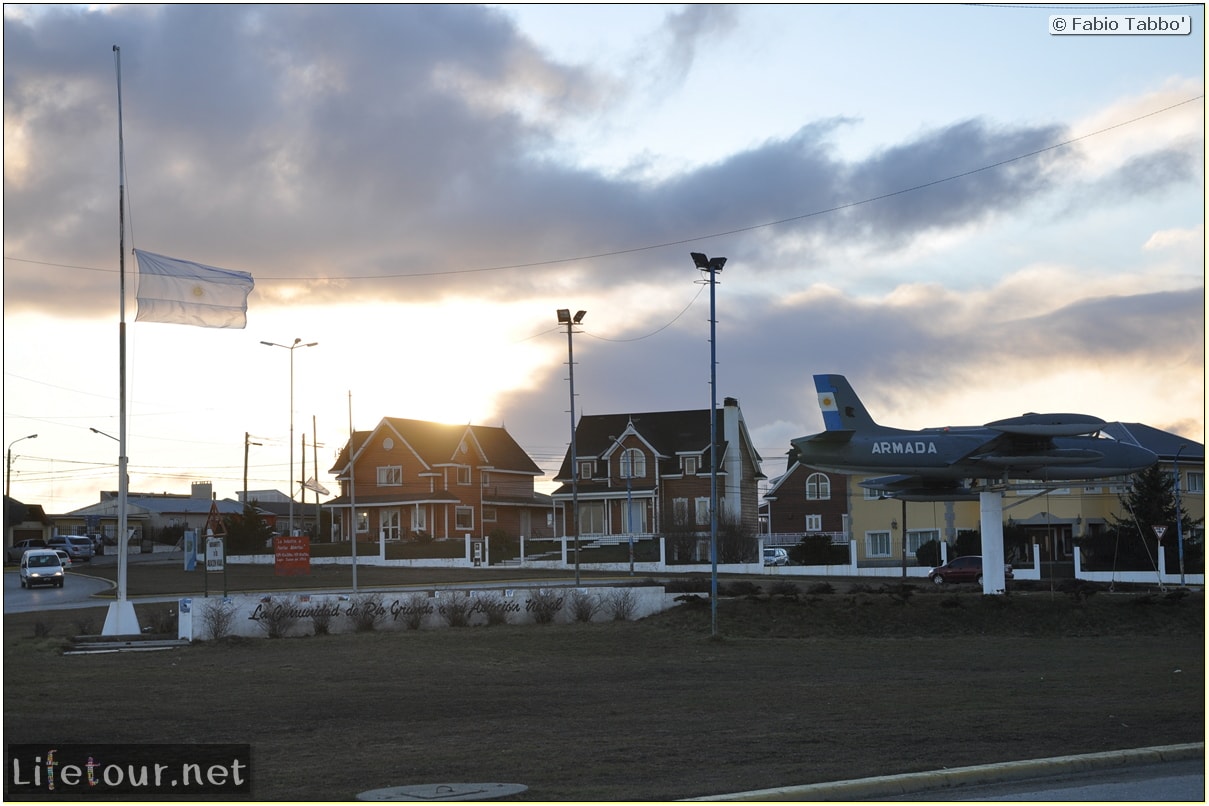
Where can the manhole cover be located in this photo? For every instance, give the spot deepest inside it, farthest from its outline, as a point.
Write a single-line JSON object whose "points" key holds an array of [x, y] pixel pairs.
{"points": [[437, 792]]}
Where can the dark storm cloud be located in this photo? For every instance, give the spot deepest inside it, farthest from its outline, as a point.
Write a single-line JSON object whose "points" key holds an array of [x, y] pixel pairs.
{"points": [[324, 142]]}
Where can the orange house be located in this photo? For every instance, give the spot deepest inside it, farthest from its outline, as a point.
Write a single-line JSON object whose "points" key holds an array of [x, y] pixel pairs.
{"points": [[410, 479]]}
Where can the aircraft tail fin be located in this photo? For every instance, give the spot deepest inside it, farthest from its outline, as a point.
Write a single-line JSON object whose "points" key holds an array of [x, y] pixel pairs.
{"points": [[842, 409]]}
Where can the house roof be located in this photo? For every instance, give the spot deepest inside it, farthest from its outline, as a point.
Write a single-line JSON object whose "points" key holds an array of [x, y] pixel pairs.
{"points": [[1163, 443], [159, 504], [669, 433], [440, 443]]}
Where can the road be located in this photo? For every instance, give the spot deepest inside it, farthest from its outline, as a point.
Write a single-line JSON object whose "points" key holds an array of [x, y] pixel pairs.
{"points": [[78, 590]]}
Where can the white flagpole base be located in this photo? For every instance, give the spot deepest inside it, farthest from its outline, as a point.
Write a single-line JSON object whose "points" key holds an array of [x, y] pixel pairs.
{"points": [[121, 619]]}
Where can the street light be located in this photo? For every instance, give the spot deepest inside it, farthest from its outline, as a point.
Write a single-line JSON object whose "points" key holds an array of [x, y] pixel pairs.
{"points": [[297, 343], [1179, 520], [713, 266], [565, 318], [629, 495], [8, 468]]}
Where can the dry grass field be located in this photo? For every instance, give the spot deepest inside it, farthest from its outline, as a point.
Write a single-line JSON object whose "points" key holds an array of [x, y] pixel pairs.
{"points": [[793, 690]]}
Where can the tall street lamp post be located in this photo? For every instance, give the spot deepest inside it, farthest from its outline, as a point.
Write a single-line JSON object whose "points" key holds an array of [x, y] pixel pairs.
{"points": [[297, 343], [713, 266], [565, 318], [8, 469], [1179, 520]]}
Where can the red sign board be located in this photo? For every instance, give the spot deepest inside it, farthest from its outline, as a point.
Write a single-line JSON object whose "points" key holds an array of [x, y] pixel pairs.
{"points": [[292, 556]]}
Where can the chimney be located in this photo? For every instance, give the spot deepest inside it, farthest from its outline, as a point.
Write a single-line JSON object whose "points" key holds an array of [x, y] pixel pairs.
{"points": [[203, 490]]}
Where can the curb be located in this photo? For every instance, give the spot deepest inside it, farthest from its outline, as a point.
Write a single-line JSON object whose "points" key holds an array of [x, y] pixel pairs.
{"points": [[907, 783]]}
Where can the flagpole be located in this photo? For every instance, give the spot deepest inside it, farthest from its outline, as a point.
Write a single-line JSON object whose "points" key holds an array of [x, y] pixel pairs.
{"points": [[121, 619]]}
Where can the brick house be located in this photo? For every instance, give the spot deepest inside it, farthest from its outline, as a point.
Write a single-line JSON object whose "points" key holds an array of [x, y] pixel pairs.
{"points": [[649, 473], [417, 478], [806, 501]]}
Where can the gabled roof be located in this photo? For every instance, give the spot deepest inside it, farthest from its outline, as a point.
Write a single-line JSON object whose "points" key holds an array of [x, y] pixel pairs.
{"points": [[1163, 443], [670, 433], [159, 504], [438, 444]]}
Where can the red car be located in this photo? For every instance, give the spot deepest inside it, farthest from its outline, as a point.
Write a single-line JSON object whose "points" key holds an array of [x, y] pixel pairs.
{"points": [[962, 569]]}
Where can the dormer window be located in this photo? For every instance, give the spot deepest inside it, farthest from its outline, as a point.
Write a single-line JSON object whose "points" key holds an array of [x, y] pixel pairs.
{"points": [[633, 464], [690, 465], [586, 469]]}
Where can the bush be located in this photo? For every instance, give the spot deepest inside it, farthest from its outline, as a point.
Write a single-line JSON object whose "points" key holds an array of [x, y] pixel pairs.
{"points": [[928, 555], [583, 605], [818, 550], [740, 587], [621, 604], [784, 588], [217, 618], [414, 610], [544, 604], [687, 585], [820, 588], [494, 607], [456, 609], [321, 617], [277, 616], [366, 612]]}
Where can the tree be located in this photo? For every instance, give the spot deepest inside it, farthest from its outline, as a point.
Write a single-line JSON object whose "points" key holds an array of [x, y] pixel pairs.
{"points": [[1148, 501], [247, 532]]}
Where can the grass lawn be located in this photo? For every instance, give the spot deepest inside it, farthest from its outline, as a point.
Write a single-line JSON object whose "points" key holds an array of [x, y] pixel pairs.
{"points": [[793, 690]]}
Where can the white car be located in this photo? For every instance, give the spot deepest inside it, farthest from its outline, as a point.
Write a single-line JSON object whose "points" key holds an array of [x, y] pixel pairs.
{"points": [[41, 567], [64, 559]]}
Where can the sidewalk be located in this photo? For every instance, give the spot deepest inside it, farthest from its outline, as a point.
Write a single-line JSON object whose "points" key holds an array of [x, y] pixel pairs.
{"points": [[864, 789]]}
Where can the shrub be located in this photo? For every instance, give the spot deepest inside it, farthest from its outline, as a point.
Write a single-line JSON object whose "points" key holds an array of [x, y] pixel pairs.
{"points": [[621, 604], [414, 610], [217, 618], [583, 605], [494, 607], [85, 625], [687, 585], [321, 617], [41, 629], [740, 587], [784, 588], [820, 588], [544, 604], [456, 609], [277, 616], [928, 555], [818, 550], [366, 612]]}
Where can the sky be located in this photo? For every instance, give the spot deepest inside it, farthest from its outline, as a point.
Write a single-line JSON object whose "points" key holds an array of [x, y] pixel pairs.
{"points": [[968, 216]]}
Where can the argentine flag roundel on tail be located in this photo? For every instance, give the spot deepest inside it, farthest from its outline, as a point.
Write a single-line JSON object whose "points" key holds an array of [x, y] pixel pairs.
{"points": [[182, 292]]}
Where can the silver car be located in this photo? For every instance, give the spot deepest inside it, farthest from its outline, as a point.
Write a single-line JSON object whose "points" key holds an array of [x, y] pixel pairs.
{"points": [[776, 557]]}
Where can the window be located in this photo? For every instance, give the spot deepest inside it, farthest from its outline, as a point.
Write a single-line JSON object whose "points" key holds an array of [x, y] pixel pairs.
{"points": [[363, 520], [680, 511], [391, 476], [818, 487], [489, 514], [918, 537], [633, 517], [419, 519], [591, 518], [690, 465], [877, 544], [463, 474], [585, 470], [814, 523], [1196, 483], [390, 524], [633, 463], [702, 510], [463, 517], [872, 495]]}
